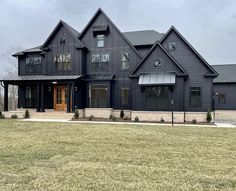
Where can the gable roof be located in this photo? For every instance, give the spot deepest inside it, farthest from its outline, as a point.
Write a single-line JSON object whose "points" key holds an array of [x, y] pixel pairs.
{"points": [[172, 28], [100, 11], [168, 54], [143, 37], [71, 30], [226, 73]]}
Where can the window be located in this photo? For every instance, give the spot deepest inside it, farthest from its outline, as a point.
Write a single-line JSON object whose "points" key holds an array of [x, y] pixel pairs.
{"points": [[33, 65], [100, 40], [124, 96], [171, 46], [195, 96], [157, 63], [98, 96], [30, 97], [157, 98], [221, 98], [125, 61], [100, 62], [63, 62]]}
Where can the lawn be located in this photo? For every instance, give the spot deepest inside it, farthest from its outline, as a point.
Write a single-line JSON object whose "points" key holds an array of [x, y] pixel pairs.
{"points": [[57, 156]]}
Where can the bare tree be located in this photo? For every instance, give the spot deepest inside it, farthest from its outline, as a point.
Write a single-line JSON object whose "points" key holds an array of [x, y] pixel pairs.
{"points": [[12, 70]]}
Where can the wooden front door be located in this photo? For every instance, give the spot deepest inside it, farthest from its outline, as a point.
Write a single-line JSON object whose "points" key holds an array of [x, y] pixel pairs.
{"points": [[60, 98]]}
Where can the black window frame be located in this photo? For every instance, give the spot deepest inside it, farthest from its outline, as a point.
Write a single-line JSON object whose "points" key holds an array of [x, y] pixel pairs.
{"points": [[33, 64], [98, 102], [101, 63], [124, 99], [30, 101], [221, 100], [100, 38], [63, 62], [171, 45], [195, 89], [125, 60]]}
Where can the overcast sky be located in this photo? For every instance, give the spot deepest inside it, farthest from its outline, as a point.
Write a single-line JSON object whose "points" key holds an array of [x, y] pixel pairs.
{"points": [[209, 25]]}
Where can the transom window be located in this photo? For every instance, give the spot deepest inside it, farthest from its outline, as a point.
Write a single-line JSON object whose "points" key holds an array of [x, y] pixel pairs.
{"points": [[195, 96], [124, 96], [98, 96], [63, 62], [100, 62], [33, 65], [171, 46], [221, 98], [125, 61], [100, 40]]}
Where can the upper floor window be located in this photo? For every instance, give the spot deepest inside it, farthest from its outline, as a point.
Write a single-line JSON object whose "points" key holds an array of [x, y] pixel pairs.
{"points": [[100, 40], [171, 46], [125, 61], [63, 62], [157, 62], [195, 96], [221, 98], [33, 65], [100, 62]]}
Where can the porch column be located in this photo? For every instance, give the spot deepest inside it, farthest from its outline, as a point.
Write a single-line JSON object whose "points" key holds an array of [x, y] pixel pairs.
{"points": [[5, 97], [68, 96], [73, 96], [42, 98], [38, 97]]}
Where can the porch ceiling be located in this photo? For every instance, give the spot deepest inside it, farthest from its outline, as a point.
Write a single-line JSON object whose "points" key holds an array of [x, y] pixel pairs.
{"points": [[157, 79]]}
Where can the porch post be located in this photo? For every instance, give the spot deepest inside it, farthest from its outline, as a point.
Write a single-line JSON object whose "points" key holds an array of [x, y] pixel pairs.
{"points": [[42, 98], [5, 97], [73, 96], [38, 97], [68, 96]]}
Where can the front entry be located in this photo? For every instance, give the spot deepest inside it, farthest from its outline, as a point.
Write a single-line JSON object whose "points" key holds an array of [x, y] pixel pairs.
{"points": [[60, 98]]}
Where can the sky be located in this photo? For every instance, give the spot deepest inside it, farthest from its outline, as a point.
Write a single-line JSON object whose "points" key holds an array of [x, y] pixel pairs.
{"points": [[210, 26]]}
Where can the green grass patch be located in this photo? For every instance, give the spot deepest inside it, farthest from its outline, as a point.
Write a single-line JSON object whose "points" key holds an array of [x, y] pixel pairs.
{"points": [[66, 156]]}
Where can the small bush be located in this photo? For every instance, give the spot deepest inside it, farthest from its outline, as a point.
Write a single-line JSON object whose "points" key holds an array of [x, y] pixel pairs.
{"points": [[126, 118], [136, 119], [27, 114], [91, 117], [113, 118], [122, 114], [162, 120], [209, 117], [14, 116], [194, 121], [76, 114], [110, 117], [1, 115]]}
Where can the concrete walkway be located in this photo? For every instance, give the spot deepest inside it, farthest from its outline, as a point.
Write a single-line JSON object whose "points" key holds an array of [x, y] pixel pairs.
{"points": [[124, 123]]}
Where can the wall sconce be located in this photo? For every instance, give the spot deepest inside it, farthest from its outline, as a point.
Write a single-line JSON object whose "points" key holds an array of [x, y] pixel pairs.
{"points": [[76, 89], [49, 89]]}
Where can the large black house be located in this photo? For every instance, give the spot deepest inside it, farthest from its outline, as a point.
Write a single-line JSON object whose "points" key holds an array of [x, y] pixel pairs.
{"points": [[102, 67]]}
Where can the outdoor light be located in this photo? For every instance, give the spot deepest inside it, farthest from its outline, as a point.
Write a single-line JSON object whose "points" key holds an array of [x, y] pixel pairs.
{"points": [[76, 89]]}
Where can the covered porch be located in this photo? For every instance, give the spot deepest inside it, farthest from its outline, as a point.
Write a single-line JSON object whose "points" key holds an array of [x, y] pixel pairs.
{"points": [[40, 92]]}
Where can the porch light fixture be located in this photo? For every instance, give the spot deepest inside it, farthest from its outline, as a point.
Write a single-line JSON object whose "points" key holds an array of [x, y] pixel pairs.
{"points": [[54, 82], [76, 89]]}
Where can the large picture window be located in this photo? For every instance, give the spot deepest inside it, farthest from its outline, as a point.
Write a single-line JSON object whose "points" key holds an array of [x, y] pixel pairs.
{"points": [[157, 98], [98, 96], [30, 97], [195, 96], [63, 62], [33, 65], [100, 62], [125, 61]]}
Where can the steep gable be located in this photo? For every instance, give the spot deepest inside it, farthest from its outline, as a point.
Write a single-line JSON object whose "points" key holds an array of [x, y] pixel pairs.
{"points": [[185, 54], [71, 31], [168, 63]]}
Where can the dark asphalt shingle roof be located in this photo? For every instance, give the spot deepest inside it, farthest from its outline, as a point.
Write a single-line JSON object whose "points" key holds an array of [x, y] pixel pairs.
{"points": [[144, 37], [227, 73]]}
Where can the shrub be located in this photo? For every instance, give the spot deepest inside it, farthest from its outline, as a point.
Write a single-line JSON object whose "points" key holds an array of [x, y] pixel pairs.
{"points": [[91, 117], [113, 118], [76, 114], [209, 117], [162, 120], [1, 115], [14, 116], [194, 121], [110, 117], [27, 114], [136, 119], [122, 114], [126, 118]]}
